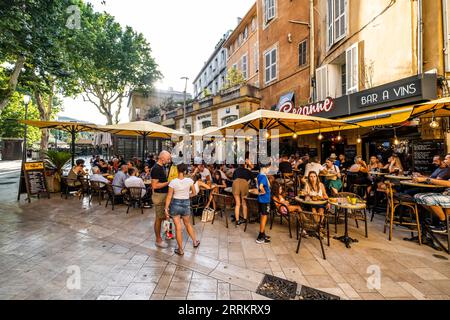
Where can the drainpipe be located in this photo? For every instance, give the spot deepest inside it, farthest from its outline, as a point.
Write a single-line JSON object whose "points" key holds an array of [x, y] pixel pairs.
{"points": [[445, 34], [312, 59], [419, 38]]}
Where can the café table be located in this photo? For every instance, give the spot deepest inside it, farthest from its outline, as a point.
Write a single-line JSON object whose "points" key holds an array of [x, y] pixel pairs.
{"points": [[343, 204], [410, 183], [253, 192], [311, 202], [401, 178], [376, 173]]}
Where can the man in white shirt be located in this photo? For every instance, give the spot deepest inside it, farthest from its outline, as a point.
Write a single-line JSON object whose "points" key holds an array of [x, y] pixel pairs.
{"points": [[204, 172], [96, 176], [313, 165], [134, 181]]}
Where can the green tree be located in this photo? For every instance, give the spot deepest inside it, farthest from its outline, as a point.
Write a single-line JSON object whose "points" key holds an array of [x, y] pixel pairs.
{"points": [[14, 111], [234, 78], [110, 62]]}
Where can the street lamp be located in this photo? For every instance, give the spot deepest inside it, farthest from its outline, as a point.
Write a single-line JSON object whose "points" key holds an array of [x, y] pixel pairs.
{"points": [[26, 102], [184, 102]]}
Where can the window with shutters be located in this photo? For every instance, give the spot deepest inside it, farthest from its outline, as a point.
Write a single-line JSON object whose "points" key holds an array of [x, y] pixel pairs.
{"points": [[244, 66], [256, 56], [269, 10], [352, 70], [337, 17], [302, 53], [322, 83], [270, 65]]}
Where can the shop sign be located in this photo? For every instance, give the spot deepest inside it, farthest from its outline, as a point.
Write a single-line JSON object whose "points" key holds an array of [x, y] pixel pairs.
{"points": [[387, 93], [319, 107]]}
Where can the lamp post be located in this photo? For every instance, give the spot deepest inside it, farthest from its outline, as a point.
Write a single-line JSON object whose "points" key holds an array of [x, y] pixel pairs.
{"points": [[184, 102], [26, 101]]}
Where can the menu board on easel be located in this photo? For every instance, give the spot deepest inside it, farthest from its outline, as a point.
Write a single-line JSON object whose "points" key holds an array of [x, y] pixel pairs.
{"points": [[35, 183], [423, 153]]}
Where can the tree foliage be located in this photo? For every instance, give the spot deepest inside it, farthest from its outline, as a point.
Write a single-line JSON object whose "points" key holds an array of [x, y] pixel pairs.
{"points": [[234, 78]]}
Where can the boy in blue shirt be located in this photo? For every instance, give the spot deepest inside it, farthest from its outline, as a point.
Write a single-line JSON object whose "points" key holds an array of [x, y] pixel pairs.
{"points": [[264, 202]]}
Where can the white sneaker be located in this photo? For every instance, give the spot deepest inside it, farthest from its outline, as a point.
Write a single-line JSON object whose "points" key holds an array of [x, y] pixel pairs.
{"points": [[162, 244]]}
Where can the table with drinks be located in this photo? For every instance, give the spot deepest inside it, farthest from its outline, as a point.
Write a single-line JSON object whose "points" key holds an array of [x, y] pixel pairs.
{"points": [[349, 203]]}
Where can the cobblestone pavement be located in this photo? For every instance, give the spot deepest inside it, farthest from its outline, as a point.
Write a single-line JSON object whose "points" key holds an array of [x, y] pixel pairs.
{"points": [[42, 243]]}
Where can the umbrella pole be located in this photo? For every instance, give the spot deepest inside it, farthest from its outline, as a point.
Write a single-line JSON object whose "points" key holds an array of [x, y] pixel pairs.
{"points": [[72, 132], [143, 149]]}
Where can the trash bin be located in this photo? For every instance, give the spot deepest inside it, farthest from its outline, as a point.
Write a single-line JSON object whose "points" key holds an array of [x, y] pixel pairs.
{"points": [[12, 148]]}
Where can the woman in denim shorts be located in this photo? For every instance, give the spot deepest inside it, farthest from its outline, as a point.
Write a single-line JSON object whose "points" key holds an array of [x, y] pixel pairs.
{"points": [[178, 206]]}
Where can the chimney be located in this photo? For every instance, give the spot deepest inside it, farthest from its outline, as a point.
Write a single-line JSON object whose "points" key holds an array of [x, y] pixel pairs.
{"points": [[239, 20]]}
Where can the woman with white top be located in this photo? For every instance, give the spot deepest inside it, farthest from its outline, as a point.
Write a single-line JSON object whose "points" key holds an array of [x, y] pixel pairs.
{"points": [[178, 206], [315, 190]]}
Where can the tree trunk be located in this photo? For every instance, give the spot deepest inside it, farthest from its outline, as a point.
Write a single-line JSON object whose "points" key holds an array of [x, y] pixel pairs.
{"points": [[12, 84], [45, 111]]}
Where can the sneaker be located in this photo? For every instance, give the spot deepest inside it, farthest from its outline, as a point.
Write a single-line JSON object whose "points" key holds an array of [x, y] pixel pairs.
{"points": [[161, 244], [267, 237], [241, 221], [261, 240], [441, 227]]}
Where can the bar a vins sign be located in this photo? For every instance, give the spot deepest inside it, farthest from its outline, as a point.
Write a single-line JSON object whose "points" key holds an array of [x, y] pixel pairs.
{"points": [[385, 94]]}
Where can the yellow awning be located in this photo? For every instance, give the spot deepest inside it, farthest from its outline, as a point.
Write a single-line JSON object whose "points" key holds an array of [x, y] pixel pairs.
{"points": [[440, 107], [141, 128], [378, 118]]}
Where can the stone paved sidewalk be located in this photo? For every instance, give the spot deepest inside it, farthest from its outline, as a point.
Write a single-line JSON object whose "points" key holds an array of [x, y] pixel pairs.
{"points": [[115, 252]]}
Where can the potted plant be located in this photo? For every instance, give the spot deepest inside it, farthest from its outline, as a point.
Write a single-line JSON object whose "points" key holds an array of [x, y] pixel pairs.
{"points": [[54, 163]]}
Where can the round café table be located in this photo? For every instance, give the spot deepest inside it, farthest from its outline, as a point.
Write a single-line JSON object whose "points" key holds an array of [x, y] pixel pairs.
{"points": [[311, 202], [343, 204], [376, 173], [420, 185], [401, 178]]}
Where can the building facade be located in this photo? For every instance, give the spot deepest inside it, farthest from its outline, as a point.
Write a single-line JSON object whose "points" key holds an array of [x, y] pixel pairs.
{"points": [[211, 77], [243, 48]]}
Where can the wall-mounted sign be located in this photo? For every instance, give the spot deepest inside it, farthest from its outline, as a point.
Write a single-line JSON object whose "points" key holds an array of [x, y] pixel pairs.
{"points": [[288, 106], [388, 93]]}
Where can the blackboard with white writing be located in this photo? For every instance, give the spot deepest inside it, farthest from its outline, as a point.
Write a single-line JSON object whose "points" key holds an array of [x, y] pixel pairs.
{"points": [[423, 153], [35, 179]]}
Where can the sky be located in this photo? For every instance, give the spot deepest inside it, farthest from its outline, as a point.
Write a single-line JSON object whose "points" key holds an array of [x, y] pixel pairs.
{"points": [[181, 33]]}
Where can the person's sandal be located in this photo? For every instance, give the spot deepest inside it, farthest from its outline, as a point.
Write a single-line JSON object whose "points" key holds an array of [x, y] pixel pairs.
{"points": [[179, 252], [196, 243]]}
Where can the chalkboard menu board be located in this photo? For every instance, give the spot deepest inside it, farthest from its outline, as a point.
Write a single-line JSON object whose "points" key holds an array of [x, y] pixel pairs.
{"points": [[34, 173], [350, 153], [423, 153]]}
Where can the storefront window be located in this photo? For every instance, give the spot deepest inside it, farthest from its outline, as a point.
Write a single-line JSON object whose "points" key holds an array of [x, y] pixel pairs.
{"points": [[229, 119], [206, 124]]}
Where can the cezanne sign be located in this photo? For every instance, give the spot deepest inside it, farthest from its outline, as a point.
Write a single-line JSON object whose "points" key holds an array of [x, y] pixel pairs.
{"points": [[322, 106]]}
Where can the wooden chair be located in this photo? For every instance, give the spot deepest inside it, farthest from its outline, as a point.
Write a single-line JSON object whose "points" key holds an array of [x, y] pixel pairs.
{"points": [[312, 223], [281, 210], [288, 182], [135, 197], [69, 185], [223, 204], [198, 202], [96, 190], [358, 215], [395, 201], [109, 190], [252, 209]]}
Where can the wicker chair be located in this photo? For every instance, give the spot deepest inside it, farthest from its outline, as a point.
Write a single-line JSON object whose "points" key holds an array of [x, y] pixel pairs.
{"points": [[223, 204], [135, 197], [109, 190], [69, 185], [395, 201], [312, 223], [358, 215], [252, 209], [281, 210], [96, 190]]}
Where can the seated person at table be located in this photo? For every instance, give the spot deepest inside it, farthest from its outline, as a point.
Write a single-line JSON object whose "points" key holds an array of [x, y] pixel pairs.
{"points": [[76, 172], [301, 164], [343, 163], [263, 203], [357, 174], [98, 177], [334, 184], [442, 172], [241, 180], [133, 181], [437, 203], [103, 166], [374, 164], [277, 195], [313, 165], [315, 190], [96, 161], [248, 163], [218, 184], [204, 173], [199, 184], [119, 180], [284, 165], [146, 174], [334, 159], [394, 165], [115, 164]]}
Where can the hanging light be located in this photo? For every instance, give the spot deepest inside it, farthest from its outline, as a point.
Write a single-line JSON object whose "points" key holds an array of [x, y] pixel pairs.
{"points": [[320, 136], [294, 136], [339, 137], [267, 135], [434, 124], [359, 140], [396, 141]]}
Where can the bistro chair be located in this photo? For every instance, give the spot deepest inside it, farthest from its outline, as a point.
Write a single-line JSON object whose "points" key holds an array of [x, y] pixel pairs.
{"points": [[109, 190], [198, 203], [281, 210], [288, 182], [252, 210], [358, 215], [313, 224], [411, 220], [223, 204], [96, 190], [135, 197], [69, 185], [85, 187]]}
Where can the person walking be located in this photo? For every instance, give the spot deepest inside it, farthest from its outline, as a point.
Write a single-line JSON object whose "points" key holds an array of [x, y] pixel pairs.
{"points": [[178, 206], [160, 187]]}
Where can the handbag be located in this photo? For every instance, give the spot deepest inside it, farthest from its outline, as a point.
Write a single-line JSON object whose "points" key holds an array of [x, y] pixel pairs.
{"points": [[169, 229], [207, 214]]}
